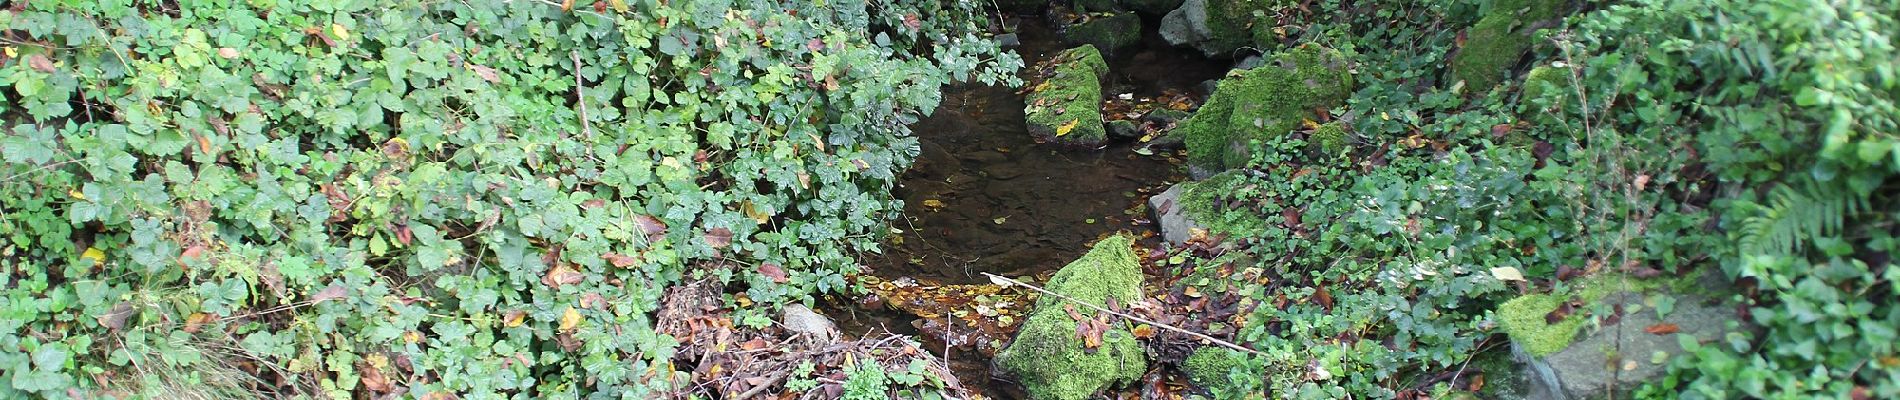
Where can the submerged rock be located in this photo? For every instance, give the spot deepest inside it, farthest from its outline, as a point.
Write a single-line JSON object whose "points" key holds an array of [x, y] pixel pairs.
{"points": [[1110, 34], [1123, 129], [1049, 358], [1499, 39], [1259, 103], [1067, 108]]}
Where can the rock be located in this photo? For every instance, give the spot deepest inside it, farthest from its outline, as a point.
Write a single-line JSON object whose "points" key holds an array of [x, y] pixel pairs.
{"points": [[1089, 6], [1008, 40], [1219, 28], [1208, 86], [1208, 366], [1264, 102], [1003, 172], [1022, 6], [1110, 34], [1250, 62], [1563, 363], [1123, 129], [985, 157], [1067, 108], [933, 162], [1171, 215], [1498, 40], [1151, 7], [1164, 116], [801, 320], [1047, 356]]}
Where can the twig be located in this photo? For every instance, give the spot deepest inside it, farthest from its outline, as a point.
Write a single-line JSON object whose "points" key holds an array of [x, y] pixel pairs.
{"points": [[580, 95], [769, 381], [1012, 282]]}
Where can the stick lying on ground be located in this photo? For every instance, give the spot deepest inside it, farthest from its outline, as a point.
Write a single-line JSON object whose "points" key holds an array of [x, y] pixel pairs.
{"points": [[1006, 282]]}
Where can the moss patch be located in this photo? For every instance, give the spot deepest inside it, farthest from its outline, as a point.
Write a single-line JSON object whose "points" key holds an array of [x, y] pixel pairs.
{"points": [[1048, 358], [1234, 24], [1330, 138], [1200, 200], [1109, 34], [1067, 108], [1523, 318], [1208, 366], [1498, 40], [1270, 100]]}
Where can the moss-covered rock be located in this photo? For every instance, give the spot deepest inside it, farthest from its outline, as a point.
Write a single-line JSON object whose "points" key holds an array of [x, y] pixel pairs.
{"points": [[1048, 358], [1153, 7], [1523, 318], [1257, 103], [1108, 33], [1067, 108], [1499, 39], [1220, 27], [1208, 366], [1201, 201], [1329, 138]]}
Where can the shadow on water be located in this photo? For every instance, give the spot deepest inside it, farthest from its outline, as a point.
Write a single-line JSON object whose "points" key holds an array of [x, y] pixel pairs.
{"points": [[984, 197]]}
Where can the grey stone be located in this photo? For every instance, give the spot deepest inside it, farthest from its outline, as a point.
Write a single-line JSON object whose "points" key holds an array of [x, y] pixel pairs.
{"points": [[1208, 86], [803, 321], [1171, 216], [1123, 129], [1585, 369], [1165, 116], [1187, 26], [1251, 62], [1008, 40]]}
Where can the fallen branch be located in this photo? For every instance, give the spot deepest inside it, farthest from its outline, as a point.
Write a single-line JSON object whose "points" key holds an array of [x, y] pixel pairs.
{"points": [[580, 95], [1006, 282]]}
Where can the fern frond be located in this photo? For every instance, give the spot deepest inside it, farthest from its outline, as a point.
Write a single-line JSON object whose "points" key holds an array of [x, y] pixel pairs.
{"points": [[1793, 218]]}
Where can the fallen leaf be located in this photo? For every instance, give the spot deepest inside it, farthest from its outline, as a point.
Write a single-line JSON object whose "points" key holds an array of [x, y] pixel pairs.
{"points": [[754, 344], [652, 227], [773, 271], [514, 318], [487, 74], [336, 291], [1507, 274], [39, 62], [1325, 298], [1065, 128], [1563, 311], [373, 378], [115, 318], [227, 53], [618, 260], [97, 256], [719, 237], [570, 319], [561, 275], [340, 32], [1662, 329], [1144, 331], [196, 322]]}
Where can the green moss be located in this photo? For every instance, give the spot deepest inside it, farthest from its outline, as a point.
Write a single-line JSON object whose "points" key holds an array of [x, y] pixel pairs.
{"points": [[1048, 358], [1330, 138], [1107, 33], [1270, 100], [1546, 80], [1198, 200], [1234, 24], [1523, 318], [1208, 366], [1071, 97], [1498, 40]]}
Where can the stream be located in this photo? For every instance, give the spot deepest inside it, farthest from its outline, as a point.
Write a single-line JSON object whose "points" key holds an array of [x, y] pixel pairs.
{"points": [[985, 197]]}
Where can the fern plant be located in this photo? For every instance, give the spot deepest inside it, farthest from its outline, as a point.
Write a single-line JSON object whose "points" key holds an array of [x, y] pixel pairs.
{"points": [[1795, 215]]}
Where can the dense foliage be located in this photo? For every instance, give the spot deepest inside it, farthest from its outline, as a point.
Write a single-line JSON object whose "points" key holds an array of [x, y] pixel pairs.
{"points": [[321, 198], [1644, 139]]}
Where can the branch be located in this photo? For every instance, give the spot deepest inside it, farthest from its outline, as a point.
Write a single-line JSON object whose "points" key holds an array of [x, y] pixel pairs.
{"points": [[1006, 282], [580, 94]]}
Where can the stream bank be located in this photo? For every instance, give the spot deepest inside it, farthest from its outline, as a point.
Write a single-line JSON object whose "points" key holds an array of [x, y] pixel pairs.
{"points": [[984, 196]]}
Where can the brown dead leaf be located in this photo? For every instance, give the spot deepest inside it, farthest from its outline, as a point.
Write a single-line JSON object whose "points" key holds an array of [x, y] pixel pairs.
{"points": [[1325, 298], [1662, 329], [618, 260], [1144, 331], [774, 272], [719, 237], [373, 378], [196, 322], [115, 319], [1563, 311], [39, 62], [487, 74], [333, 292], [652, 227], [561, 275], [754, 344]]}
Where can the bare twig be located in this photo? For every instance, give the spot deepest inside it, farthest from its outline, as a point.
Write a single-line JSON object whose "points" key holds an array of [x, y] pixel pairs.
{"points": [[580, 94], [1012, 282]]}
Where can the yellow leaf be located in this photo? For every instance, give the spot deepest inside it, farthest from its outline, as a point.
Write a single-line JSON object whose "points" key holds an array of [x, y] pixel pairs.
{"points": [[12, 53], [619, 5], [1507, 274], [1065, 128], [341, 33], [514, 319], [570, 319], [75, 194], [933, 203], [98, 256]]}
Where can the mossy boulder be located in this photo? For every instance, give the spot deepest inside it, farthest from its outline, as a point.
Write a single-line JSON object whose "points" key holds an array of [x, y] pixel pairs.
{"points": [[1152, 7], [1499, 39], [1067, 108], [1208, 366], [1202, 202], [1221, 27], [1049, 359], [1109, 33], [1257, 103]]}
